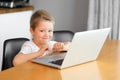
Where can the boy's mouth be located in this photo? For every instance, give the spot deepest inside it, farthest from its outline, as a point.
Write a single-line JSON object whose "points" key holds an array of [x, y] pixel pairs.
{"points": [[45, 38]]}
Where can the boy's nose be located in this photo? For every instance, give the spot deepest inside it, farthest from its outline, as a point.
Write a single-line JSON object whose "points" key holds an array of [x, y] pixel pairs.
{"points": [[46, 34]]}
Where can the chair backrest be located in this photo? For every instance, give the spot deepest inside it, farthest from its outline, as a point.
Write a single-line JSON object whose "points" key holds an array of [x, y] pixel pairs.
{"points": [[63, 35], [10, 48]]}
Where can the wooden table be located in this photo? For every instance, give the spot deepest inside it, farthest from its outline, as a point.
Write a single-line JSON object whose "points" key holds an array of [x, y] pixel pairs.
{"points": [[106, 67]]}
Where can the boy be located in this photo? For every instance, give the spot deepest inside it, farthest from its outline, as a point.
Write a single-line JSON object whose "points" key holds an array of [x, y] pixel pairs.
{"points": [[41, 28]]}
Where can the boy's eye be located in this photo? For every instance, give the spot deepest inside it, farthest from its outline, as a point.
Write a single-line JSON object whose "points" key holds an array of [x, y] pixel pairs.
{"points": [[41, 30], [50, 31]]}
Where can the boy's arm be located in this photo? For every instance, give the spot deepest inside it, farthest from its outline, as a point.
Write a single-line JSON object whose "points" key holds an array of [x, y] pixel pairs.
{"points": [[21, 58]]}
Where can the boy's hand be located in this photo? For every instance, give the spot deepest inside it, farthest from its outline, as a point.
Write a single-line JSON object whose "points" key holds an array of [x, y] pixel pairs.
{"points": [[59, 46], [45, 47]]}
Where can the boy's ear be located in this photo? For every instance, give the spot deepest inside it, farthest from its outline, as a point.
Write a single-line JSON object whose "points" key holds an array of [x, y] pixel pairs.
{"points": [[31, 31]]}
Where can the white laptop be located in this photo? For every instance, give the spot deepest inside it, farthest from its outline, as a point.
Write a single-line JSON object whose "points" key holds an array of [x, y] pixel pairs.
{"points": [[85, 47]]}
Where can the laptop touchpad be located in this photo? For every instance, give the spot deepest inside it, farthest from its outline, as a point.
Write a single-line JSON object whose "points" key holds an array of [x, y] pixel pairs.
{"points": [[58, 62]]}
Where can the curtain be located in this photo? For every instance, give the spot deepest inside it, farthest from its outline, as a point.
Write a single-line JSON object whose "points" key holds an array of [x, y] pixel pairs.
{"points": [[103, 14]]}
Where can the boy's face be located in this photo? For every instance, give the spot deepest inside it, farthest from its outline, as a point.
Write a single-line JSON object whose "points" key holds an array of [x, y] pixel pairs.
{"points": [[43, 32]]}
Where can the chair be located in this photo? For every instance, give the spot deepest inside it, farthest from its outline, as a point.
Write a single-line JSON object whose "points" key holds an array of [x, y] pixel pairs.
{"points": [[63, 35], [10, 48]]}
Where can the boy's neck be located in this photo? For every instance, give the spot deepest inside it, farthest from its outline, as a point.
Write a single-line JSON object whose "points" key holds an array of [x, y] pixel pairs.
{"points": [[38, 44]]}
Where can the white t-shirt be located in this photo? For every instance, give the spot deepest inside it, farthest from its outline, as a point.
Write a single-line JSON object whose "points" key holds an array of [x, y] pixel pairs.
{"points": [[30, 47]]}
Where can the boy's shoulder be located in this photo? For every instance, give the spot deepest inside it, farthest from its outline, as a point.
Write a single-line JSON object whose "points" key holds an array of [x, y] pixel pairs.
{"points": [[30, 43]]}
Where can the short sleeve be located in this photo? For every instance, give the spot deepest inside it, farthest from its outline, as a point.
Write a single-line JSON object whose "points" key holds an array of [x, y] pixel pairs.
{"points": [[28, 47], [25, 49]]}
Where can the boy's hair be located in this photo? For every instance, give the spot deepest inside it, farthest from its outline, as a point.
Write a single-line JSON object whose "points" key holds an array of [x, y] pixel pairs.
{"points": [[40, 15]]}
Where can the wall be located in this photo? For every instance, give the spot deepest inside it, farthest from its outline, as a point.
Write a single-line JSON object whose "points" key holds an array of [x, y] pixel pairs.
{"points": [[69, 14], [13, 25]]}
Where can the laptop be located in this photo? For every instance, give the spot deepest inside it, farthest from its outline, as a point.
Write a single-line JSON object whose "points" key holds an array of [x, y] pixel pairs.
{"points": [[85, 47]]}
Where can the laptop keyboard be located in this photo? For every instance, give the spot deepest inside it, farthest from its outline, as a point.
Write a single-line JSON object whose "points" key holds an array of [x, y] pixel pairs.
{"points": [[58, 62]]}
